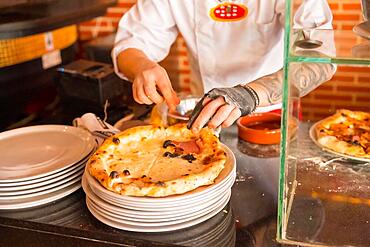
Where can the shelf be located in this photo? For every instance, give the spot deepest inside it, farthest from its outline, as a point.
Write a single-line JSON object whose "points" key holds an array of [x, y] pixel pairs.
{"points": [[339, 47], [27, 19]]}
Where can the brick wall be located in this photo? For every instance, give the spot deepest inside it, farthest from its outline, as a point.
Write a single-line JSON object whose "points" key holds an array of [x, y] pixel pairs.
{"points": [[349, 88], [176, 63]]}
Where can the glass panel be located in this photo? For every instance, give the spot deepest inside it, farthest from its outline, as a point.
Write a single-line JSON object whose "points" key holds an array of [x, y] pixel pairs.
{"points": [[311, 41], [327, 194], [288, 173], [345, 47], [324, 196]]}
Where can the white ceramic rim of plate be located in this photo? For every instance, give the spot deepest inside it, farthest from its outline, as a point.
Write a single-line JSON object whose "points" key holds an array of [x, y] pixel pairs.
{"points": [[43, 199], [177, 205], [51, 184], [124, 220], [313, 137], [35, 182], [150, 219], [46, 182], [160, 205], [196, 192], [156, 229], [89, 141], [10, 199], [137, 212], [155, 214]]}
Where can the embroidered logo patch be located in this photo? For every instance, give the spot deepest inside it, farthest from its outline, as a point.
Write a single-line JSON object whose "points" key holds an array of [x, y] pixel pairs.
{"points": [[229, 12]]}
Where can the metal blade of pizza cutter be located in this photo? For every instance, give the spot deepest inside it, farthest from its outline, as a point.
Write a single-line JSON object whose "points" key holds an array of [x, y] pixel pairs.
{"points": [[197, 109]]}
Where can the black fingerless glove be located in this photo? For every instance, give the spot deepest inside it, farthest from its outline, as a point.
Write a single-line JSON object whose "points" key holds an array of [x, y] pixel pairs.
{"points": [[243, 97]]}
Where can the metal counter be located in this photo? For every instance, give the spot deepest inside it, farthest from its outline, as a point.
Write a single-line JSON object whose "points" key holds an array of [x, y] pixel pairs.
{"points": [[248, 220]]}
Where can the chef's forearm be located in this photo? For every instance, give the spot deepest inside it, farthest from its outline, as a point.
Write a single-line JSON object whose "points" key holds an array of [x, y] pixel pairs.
{"points": [[308, 76], [132, 61], [269, 88], [305, 77]]}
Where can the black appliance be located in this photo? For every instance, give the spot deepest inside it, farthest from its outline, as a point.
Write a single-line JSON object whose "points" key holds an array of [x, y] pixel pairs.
{"points": [[88, 86]]}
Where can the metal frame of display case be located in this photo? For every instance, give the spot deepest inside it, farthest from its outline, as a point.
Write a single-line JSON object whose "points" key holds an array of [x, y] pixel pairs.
{"points": [[288, 168]]}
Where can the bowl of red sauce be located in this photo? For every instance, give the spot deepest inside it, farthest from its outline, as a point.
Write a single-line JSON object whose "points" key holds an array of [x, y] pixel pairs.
{"points": [[260, 128]]}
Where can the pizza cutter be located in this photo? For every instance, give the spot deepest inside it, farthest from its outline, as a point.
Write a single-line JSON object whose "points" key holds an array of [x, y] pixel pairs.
{"points": [[197, 109]]}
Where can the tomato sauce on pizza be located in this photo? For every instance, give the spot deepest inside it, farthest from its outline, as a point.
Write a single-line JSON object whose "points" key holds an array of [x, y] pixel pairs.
{"points": [[346, 132], [156, 161]]}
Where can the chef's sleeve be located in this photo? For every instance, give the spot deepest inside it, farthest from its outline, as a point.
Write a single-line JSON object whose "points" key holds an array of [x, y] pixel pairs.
{"points": [[148, 26], [316, 18], [310, 14]]}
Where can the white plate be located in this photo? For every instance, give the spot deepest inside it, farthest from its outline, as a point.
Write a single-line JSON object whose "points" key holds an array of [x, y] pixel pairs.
{"points": [[137, 212], [156, 219], [152, 215], [127, 227], [52, 183], [159, 205], [226, 173], [43, 199], [169, 222], [178, 206], [4, 200], [49, 180], [168, 205], [313, 137], [35, 182], [37, 151]]}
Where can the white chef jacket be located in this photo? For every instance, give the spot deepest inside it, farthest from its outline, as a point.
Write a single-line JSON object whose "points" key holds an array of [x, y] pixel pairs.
{"points": [[222, 54]]}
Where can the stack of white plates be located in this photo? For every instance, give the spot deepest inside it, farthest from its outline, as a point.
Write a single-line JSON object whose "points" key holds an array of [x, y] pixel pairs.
{"points": [[41, 164], [146, 214]]}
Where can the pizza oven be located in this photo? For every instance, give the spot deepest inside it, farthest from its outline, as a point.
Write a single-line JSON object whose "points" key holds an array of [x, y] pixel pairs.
{"points": [[37, 36]]}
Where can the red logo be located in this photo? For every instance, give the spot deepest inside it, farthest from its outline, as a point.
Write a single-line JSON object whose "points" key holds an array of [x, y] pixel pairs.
{"points": [[229, 12]]}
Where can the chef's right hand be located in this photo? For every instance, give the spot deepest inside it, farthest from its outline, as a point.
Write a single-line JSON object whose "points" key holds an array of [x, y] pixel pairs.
{"points": [[152, 85]]}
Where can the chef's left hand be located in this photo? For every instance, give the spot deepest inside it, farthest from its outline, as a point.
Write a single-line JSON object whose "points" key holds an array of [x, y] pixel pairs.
{"points": [[217, 113]]}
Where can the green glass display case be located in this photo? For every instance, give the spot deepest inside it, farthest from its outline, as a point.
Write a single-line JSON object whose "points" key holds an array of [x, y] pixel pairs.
{"points": [[324, 197]]}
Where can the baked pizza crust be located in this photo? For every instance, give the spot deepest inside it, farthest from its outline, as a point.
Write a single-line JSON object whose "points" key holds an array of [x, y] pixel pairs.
{"points": [[134, 162], [343, 123]]}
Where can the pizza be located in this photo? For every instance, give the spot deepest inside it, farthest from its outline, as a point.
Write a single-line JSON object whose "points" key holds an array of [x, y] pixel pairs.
{"points": [[156, 161], [346, 132]]}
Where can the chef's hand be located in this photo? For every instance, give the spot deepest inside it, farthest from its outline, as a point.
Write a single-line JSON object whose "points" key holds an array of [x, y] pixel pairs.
{"points": [[222, 107], [152, 85], [216, 112], [150, 81]]}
